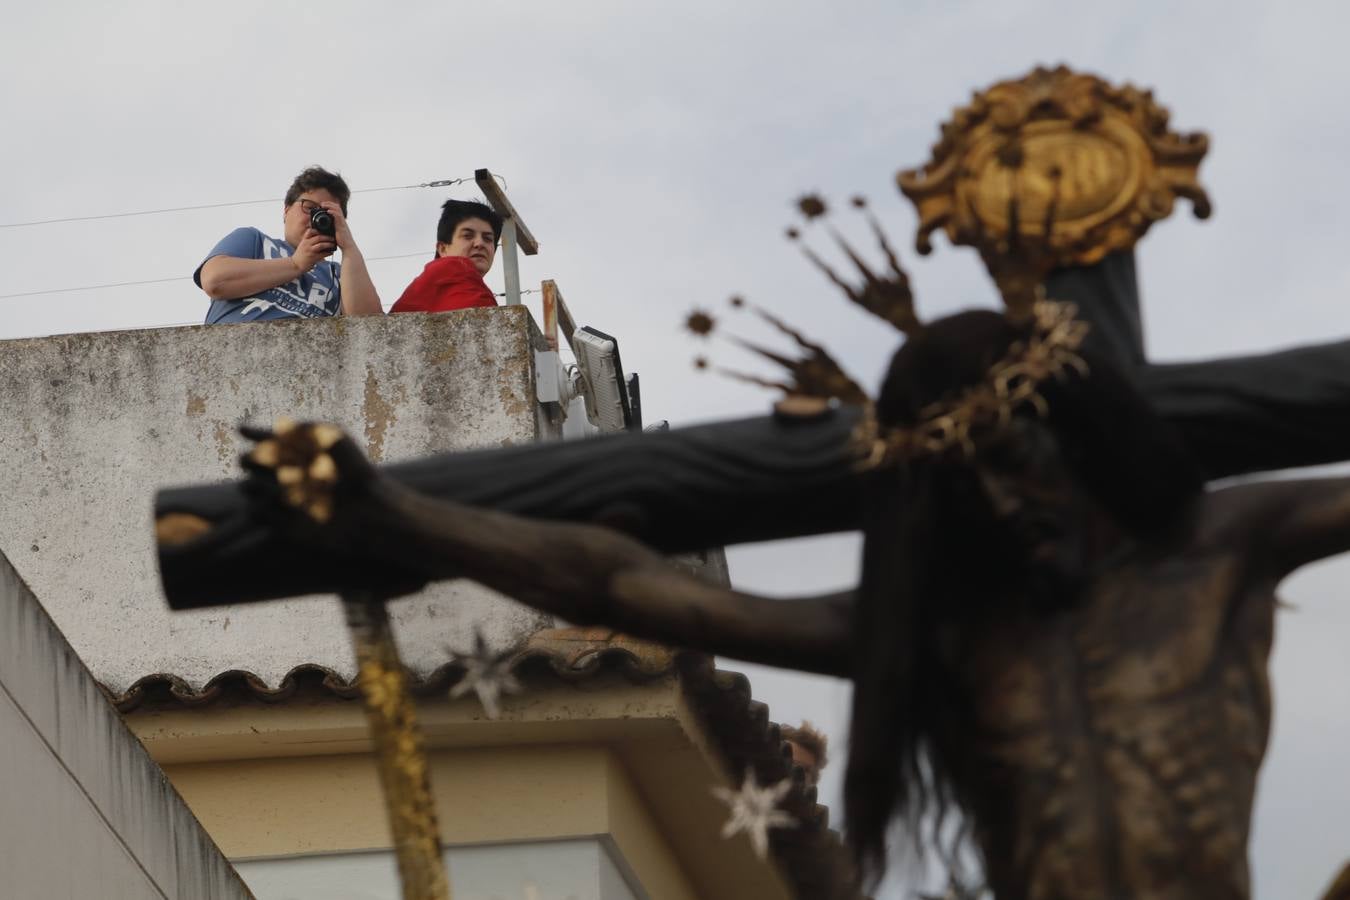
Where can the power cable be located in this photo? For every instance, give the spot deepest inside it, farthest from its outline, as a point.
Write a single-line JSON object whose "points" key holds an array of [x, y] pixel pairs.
{"points": [[441, 182], [96, 287]]}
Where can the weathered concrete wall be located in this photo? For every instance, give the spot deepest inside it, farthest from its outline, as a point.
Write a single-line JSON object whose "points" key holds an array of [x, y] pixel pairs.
{"points": [[92, 424], [84, 812]]}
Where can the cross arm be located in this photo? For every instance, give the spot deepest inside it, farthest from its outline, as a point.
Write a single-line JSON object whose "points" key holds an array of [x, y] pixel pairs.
{"points": [[1258, 413], [679, 491], [342, 507]]}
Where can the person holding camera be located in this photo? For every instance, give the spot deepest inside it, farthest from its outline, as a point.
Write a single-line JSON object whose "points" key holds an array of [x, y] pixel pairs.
{"points": [[251, 277]]}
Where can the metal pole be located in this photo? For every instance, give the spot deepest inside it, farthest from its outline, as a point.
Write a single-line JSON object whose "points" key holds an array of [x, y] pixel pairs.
{"points": [[510, 262], [398, 749]]}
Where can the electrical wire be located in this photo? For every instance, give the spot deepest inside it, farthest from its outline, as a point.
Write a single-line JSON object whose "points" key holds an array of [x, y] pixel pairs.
{"points": [[438, 182], [116, 284], [441, 182]]}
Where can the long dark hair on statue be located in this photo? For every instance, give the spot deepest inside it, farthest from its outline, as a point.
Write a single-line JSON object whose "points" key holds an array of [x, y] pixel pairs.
{"points": [[934, 560]]}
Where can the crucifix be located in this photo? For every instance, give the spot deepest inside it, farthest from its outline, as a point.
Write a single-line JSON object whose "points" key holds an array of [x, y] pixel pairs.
{"points": [[1059, 633]]}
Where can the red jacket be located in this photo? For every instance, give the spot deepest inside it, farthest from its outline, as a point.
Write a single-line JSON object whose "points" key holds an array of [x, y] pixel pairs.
{"points": [[449, 282]]}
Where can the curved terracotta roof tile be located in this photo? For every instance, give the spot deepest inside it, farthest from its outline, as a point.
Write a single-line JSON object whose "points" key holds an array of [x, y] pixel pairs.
{"points": [[813, 857]]}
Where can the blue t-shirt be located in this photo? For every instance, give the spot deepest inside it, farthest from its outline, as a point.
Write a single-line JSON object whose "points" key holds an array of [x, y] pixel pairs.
{"points": [[316, 293]]}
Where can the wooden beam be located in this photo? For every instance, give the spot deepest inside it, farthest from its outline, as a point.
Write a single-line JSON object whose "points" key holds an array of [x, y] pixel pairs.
{"points": [[496, 198], [557, 317]]}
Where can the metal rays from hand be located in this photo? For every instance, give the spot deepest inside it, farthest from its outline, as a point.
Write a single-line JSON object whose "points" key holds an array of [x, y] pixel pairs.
{"points": [[887, 296], [816, 374], [487, 673], [754, 810]]}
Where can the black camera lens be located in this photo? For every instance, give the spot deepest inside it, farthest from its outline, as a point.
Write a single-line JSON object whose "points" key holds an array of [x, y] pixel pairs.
{"points": [[321, 220]]}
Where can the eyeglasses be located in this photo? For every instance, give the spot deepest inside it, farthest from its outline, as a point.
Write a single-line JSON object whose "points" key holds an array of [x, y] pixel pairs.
{"points": [[308, 206]]}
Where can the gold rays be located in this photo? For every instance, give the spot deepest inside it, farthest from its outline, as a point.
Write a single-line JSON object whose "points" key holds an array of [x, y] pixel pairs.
{"points": [[814, 374], [1057, 168], [886, 294]]}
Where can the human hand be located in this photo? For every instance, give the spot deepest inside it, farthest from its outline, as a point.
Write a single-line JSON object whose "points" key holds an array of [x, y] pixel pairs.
{"points": [[342, 233], [313, 247]]}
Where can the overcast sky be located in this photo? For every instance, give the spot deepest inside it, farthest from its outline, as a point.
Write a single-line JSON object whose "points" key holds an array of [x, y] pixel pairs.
{"points": [[654, 151]]}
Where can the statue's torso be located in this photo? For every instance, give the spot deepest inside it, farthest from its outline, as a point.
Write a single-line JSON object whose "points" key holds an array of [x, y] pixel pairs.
{"points": [[1116, 746]]}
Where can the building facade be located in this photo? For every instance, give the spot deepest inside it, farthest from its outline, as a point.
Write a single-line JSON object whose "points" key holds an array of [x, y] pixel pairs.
{"points": [[594, 782]]}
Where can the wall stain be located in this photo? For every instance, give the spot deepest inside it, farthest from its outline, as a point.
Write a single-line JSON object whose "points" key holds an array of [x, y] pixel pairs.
{"points": [[379, 413], [513, 404], [196, 405], [444, 355], [224, 441]]}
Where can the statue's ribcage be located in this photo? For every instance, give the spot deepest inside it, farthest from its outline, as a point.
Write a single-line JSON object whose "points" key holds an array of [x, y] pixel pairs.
{"points": [[1125, 746]]}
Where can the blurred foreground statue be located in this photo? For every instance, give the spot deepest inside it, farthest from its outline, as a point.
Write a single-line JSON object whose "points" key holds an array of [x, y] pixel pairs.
{"points": [[1060, 634]]}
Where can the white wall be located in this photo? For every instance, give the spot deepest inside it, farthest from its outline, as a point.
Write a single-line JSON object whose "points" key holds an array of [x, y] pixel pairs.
{"points": [[84, 812]]}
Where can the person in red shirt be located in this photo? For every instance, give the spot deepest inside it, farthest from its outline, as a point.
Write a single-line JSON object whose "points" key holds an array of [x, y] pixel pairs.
{"points": [[466, 242]]}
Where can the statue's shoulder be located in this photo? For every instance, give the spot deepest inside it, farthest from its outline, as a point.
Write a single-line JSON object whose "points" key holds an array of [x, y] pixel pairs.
{"points": [[1233, 517]]}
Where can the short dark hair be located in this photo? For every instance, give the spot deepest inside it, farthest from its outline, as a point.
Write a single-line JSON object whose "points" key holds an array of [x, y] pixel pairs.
{"points": [[455, 211], [317, 178]]}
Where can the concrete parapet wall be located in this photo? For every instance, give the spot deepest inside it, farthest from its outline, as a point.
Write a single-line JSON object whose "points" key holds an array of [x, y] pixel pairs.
{"points": [[92, 424]]}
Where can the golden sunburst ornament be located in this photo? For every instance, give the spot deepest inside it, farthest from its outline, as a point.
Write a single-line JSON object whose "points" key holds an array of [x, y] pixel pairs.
{"points": [[1053, 169]]}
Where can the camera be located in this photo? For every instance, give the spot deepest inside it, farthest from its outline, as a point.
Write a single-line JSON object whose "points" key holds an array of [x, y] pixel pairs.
{"points": [[321, 220]]}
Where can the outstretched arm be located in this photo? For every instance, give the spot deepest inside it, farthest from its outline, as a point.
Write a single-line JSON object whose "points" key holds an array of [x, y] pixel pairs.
{"points": [[591, 575], [678, 491], [1317, 524], [327, 496], [1286, 524]]}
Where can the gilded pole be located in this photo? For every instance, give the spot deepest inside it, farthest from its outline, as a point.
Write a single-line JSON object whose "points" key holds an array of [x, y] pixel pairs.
{"points": [[398, 749], [297, 461]]}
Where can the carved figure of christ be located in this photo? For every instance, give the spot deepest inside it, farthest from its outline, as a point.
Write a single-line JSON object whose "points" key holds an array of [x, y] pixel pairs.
{"points": [[1115, 743]]}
